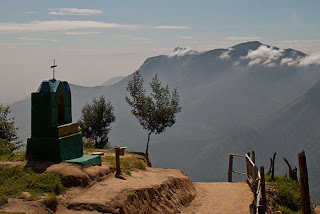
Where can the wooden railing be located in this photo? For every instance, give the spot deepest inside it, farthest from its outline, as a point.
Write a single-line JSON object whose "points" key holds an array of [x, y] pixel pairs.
{"points": [[255, 180]]}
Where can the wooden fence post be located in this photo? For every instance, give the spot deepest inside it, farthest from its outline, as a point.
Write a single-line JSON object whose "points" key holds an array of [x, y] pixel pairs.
{"points": [[304, 185], [253, 157], [230, 168], [263, 191], [273, 160], [118, 169]]}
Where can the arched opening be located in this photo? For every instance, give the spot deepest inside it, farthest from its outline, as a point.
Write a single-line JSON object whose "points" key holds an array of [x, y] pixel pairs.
{"points": [[61, 117]]}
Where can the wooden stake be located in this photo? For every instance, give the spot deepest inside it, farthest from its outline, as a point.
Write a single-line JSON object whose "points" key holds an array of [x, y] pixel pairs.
{"points": [[304, 185], [273, 159], [118, 169], [270, 168], [230, 168], [263, 190], [253, 157]]}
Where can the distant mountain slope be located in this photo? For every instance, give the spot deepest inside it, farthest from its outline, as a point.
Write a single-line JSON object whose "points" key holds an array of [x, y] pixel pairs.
{"points": [[294, 128], [112, 81], [221, 90]]}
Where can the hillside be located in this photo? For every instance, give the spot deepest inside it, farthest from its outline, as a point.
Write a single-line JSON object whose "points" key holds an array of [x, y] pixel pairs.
{"points": [[95, 189], [288, 131], [221, 90]]}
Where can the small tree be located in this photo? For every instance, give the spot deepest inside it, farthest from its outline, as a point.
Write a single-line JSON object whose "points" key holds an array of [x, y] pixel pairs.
{"points": [[8, 131], [155, 112], [95, 121]]}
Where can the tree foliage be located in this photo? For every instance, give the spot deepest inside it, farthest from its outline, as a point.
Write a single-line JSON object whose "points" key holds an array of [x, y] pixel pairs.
{"points": [[95, 121], [8, 132], [156, 111]]}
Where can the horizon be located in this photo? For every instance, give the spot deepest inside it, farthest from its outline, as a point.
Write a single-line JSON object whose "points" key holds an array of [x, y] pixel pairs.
{"points": [[96, 42]]}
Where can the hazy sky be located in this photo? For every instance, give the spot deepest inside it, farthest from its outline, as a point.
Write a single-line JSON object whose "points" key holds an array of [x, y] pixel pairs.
{"points": [[95, 40]]}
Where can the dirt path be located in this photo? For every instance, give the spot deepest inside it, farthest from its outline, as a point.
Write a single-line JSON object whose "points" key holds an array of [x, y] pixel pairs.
{"points": [[221, 197]]}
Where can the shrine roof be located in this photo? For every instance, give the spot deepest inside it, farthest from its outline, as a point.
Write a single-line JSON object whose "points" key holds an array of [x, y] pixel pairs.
{"points": [[52, 85]]}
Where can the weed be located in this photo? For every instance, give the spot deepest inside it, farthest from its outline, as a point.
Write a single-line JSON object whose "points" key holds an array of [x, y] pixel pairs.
{"points": [[51, 203]]}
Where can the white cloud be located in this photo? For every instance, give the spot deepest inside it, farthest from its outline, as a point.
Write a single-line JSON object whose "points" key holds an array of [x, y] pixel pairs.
{"points": [[183, 51], [14, 45], [30, 12], [184, 37], [29, 43], [74, 11], [309, 60], [139, 38], [59, 25], [253, 62], [81, 33], [32, 39], [225, 55], [237, 63], [263, 54], [246, 38], [288, 61], [171, 27]]}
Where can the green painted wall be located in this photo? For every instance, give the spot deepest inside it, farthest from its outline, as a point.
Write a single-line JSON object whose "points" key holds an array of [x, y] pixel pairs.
{"points": [[50, 108]]}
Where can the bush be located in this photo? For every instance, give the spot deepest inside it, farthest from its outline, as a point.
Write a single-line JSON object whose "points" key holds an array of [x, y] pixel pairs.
{"points": [[95, 121], [8, 132]]}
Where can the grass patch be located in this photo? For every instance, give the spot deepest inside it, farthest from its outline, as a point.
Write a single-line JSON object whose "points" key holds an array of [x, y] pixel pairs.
{"points": [[19, 156], [127, 164], [137, 162], [15, 180], [286, 196]]}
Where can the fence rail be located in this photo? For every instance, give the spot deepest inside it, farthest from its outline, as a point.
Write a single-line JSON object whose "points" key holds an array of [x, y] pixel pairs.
{"points": [[255, 180]]}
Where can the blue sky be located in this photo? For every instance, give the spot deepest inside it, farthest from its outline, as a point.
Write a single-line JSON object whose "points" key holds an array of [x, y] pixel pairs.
{"points": [[95, 40]]}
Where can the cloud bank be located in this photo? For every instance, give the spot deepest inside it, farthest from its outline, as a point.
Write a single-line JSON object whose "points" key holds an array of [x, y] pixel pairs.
{"points": [[265, 55], [59, 25], [81, 33], [269, 55], [246, 38], [171, 27], [183, 51], [225, 55], [74, 11]]}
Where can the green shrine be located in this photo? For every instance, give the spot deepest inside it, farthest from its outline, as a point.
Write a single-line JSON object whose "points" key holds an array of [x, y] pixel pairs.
{"points": [[53, 135]]}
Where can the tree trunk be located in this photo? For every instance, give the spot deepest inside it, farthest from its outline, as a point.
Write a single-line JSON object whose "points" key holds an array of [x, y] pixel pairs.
{"points": [[147, 149]]}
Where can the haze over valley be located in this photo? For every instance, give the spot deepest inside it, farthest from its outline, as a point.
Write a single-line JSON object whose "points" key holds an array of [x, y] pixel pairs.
{"points": [[248, 96]]}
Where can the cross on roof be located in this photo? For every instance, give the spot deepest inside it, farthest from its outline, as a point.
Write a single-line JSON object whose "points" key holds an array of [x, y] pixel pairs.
{"points": [[53, 66]]}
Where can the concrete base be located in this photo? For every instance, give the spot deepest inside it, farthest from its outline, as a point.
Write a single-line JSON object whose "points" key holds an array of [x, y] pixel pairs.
{"points": [[86, 160], [55, 149]]}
